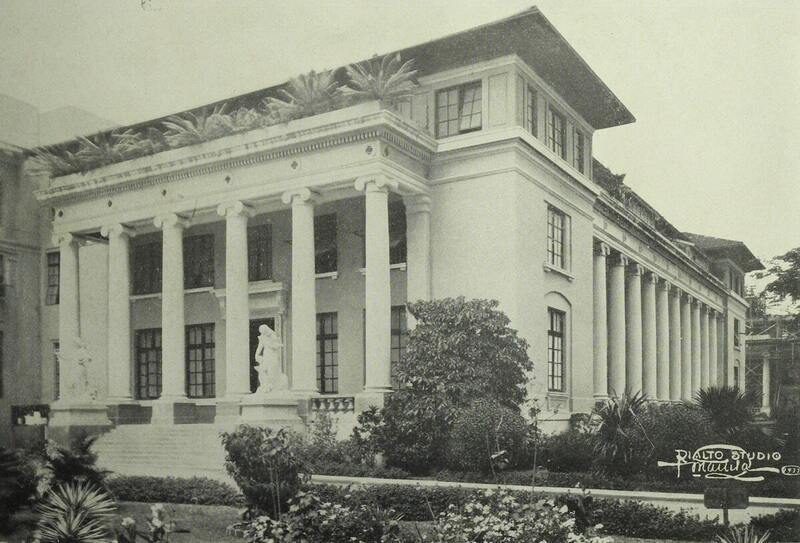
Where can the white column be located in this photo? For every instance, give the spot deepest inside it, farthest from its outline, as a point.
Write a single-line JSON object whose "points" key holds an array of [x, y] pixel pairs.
{"points": [[418, 249], [765, 382], [378, 287], [713, 350], [696, 347], [68, 309], [303, 297], [173, 333], [237, 299], [649, 337], [705, 371], [616, 325], [686, 347], [675, 345], [119, 313], [662, 341], [633, 329], [600, 329]]}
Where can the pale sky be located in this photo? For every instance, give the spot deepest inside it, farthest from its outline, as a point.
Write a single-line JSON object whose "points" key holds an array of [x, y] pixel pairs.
{"points": [[714, 85]]}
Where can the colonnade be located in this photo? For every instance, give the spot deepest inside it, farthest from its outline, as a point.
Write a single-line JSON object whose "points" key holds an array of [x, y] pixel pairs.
{"points": [[649, 335]]}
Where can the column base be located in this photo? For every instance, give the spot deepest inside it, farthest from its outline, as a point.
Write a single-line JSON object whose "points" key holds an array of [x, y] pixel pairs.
{"points": [[167, 410], [70, 420], [272, 410], [375, 397]]}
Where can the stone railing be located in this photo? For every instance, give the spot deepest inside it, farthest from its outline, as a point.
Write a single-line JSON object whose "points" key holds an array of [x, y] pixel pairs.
{"points": [[332, 404]]}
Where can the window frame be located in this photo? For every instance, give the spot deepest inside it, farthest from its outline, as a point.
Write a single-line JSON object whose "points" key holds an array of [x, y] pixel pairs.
{"points": [[736, 338], [327, 384], [53, 271], [556, 334], [146, 268], [156, 347], [555, 259], [461, 90], [531, 112], [198, 261], [56, 349], [398, 341], [207, 363], [321, 254], [259, 252], [559, 148], [578, 149]]}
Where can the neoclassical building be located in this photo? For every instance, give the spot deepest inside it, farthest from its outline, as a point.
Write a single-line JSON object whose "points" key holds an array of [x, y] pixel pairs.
{"points": [[482, 185]]}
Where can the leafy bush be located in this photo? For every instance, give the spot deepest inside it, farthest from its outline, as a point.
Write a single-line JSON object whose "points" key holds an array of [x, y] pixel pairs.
{"points": [[74, 463], [501, 516], [726, 409], [572, 450], [642, 520], [783, 525], [74, 512], [312, 520], [265, 465], [196, 490], [619, 425], [487, 436], [17, 483]]}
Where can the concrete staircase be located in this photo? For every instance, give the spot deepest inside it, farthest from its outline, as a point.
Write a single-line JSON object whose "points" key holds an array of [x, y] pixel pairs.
{"points": [[179, 450]]}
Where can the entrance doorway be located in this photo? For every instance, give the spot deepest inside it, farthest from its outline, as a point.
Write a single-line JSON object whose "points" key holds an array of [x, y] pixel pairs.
{"points": [[254, 324]]}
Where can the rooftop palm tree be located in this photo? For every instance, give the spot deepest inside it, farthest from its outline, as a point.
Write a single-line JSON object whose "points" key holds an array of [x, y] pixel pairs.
{"points": [[305, 95], [192, 128], [389, 80], [103, 149], [54, 163]]}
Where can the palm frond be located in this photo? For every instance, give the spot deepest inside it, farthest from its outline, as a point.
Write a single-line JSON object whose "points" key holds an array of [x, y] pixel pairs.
{"points": [[53, 163], [305, 95], [743, 534], [389, 80], [74, 512], [190, 128], [726, 408]]}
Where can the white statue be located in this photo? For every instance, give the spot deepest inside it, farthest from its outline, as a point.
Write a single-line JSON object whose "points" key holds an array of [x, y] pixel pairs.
{"points": [[268, 358], [81, 390]]}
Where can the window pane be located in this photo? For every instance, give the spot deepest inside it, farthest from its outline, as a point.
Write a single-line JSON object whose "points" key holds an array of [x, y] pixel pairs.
{"points": [[555, 351], [326, 253], [200, 360], [198, 261], [148, 362], [259, 252], [327, 354], [458, 109]]}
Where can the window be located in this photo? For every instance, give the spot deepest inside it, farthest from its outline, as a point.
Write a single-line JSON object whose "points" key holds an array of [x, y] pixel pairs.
{"points": [[556, 133], [736, 376], [259, 252], [578, 150], [147, 268], [325, 260], [399, 335], [198, 261], [148, 363], [327, 353], [556, 237], [531, 116], [736, 332], [2, 363], [555, 351], [200, 360], [458, 110], [53, 276], [56, 371], [397, 233]]}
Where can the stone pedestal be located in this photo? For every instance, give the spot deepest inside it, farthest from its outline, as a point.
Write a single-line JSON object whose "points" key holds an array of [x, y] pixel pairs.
{"points": [[69, 420], [273, 410]]}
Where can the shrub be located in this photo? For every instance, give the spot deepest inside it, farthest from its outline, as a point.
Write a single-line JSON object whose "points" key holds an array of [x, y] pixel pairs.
{"points": [[72, 512], [265, 466], [501, 516], [572, 450], [619, 425], [312, 520], [196, 490], [486, 437], [783, 525], [75, 463], [726, 409], [17, 483], [641, 520], [743, 534]]}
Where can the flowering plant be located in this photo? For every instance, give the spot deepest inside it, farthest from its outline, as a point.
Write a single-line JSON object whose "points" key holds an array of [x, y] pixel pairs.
{"points": [[500, 517], [159, 527]]}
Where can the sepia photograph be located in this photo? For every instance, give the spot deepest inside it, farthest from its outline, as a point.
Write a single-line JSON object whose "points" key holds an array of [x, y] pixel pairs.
{"points": [[431, 271]]}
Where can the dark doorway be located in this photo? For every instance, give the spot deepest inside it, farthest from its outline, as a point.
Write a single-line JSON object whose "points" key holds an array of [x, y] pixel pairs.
{"points": [[254, 324]]}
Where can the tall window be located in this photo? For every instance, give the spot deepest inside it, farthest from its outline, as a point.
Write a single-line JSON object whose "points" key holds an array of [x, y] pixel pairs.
{"points": [[556, 132], [531, 116], [327, 353], [200, 360], [53, 275], [555, 351], [259, 252], [736, 332], [578, 150], [458, 109], [326, 256], [397, 233], [147, 268], [556, 237], [198, 261], [399, 334], [148, 363], [56, 371]]}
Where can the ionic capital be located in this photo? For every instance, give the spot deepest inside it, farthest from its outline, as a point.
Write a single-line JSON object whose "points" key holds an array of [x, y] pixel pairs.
{"points": [[64, 239], [235, 209], [664, 285], [602, 249], [636, 269], [299, 196], [651, 277], [619, 259], [676, 292], [170, 220], [417, 203], [117, 230], [375, 183]]}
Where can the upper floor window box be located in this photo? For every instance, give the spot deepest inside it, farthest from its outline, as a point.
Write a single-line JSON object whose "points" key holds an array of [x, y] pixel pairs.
{"points": [[556, 132], [458, 110]]}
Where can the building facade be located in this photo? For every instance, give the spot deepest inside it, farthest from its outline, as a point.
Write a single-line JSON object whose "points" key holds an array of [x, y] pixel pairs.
{"points": [[481, 185]]}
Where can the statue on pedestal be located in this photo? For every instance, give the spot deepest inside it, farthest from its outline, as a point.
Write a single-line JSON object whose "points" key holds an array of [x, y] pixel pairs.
{"points": [[81, 389], [270, 377]]}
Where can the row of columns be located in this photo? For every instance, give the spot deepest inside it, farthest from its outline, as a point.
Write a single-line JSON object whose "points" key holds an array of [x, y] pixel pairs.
{"points": [[649, 337], [303, 296]]}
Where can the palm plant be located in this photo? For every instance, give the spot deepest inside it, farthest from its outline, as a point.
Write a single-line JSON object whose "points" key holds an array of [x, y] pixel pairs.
{"points": [[11, 483], [103, 149], [305, 95], [192, 128], [53, 163], [743, 534], [389, 80], [618, 429], [76, 463], [726, 409], [74, 513], [247, 119]]}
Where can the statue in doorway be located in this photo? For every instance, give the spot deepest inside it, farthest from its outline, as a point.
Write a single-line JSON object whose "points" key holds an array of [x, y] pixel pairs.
{"points": [[268, 359]]}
